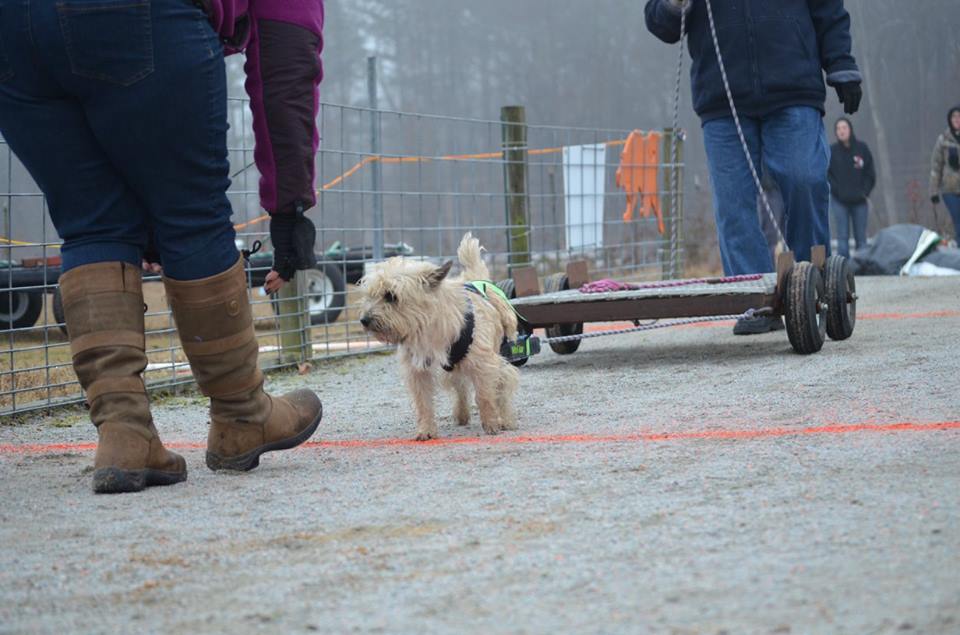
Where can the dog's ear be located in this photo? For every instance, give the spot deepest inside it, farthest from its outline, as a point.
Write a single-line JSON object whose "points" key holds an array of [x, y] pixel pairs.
{"points": [[435, 277]]}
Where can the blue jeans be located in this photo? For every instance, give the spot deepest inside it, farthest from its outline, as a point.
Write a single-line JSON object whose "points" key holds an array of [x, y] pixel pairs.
{"points": [[118, 111], [843, 215], [952, 201], [792, 146]]}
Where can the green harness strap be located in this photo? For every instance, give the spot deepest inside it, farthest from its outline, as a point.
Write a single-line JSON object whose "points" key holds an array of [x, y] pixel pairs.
{"points": [[484, 286]]}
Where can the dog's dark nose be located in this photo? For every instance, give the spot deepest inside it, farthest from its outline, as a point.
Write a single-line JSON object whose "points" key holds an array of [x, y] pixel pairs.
{"points": [[365, 322]]}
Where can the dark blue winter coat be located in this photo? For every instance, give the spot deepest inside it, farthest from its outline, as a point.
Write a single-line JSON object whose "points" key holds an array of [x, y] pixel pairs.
{"points": [[775, 52]]}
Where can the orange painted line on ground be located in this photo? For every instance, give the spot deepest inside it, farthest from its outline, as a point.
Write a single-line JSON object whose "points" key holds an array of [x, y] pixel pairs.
{"points": [[909, 316], [551, 439]]}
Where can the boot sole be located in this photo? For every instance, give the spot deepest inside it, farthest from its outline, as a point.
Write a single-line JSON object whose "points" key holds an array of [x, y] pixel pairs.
{"points": [[112, 480], [248, 461]]}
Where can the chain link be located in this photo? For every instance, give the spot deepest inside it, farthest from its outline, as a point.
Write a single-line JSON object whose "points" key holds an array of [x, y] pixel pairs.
{"points": [[749, 313], [676, 181]]}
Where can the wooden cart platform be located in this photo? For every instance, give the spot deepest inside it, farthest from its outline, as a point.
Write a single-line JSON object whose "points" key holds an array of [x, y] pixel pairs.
{"points": [[816, 299]]}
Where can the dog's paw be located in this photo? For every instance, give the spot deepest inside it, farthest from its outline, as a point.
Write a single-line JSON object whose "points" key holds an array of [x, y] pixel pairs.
{"points": [[491, 428], [509, 425]]}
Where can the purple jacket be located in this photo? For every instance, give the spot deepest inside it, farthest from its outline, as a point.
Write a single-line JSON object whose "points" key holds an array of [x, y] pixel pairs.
{"points": [[282, 40]]}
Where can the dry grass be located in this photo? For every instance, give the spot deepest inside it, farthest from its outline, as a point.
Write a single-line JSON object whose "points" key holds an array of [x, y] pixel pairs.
{"points": [[35, 364]]}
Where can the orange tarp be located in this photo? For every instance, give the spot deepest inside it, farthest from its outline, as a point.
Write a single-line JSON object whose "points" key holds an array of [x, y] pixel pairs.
{"points": [[637, 175]]}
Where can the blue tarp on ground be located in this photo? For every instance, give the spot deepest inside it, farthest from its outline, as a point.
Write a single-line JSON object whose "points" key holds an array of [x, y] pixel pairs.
{"points": [[895, 246]]}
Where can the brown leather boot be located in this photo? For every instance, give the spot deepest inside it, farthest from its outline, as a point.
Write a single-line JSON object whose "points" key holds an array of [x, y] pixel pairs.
{"points": [[103, 307], [215, 322]]}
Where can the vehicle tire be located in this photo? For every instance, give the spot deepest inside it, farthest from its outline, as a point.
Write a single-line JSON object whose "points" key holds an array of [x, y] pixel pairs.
{"points": [[841, 298], [326, 294], [552, 284], [510, 290], [806, 308], [19, 309], [58, 314]]}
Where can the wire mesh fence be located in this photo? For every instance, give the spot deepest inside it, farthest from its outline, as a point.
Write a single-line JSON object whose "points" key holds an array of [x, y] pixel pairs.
{"points": [[390, 184]]}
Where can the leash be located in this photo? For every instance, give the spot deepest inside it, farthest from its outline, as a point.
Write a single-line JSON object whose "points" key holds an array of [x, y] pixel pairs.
{"points": [[677, 136], [749, 313], [782, 243]]}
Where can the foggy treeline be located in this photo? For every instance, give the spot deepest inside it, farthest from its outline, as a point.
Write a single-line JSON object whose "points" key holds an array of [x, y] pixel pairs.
{"points": [[592, 63], [583, 63]]}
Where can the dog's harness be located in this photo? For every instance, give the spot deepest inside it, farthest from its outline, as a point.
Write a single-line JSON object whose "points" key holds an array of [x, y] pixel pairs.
{"points": [[521, 349], [460, 348]]}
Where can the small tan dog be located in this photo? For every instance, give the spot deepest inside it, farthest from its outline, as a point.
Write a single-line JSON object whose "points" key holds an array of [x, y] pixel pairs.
{"points": [[445, 330]]}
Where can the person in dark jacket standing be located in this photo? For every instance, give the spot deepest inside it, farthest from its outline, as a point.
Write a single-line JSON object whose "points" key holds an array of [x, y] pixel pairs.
{"points": [[775, 55], [119, 112], [945, 169], [852, 178]]}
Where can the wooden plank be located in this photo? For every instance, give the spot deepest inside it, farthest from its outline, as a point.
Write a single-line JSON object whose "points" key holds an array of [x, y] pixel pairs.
{"points": [[785, 264], [577, 274], [818, 256], [525, 282], [644, 309]]}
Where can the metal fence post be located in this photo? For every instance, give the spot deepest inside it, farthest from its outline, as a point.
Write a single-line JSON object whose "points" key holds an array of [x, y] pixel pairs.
{"points": [[294, 320], [514, 125], [375, 167], [671, 202]]}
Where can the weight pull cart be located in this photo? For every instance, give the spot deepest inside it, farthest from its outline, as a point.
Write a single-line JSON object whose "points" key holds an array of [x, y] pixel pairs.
{"points": [[816, 299]]}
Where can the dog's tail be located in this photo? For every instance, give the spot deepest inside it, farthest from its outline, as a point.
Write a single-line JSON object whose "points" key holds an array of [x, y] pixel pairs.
{"points": [[469, 254], [470, 259]]}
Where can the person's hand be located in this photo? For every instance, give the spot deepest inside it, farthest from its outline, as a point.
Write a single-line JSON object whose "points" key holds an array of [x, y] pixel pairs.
{"points": [[293, 236], [273, 282], [850, 95], [935, 199]]}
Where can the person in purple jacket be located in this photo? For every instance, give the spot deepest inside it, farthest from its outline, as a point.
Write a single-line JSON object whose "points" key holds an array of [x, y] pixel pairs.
{"points": [[118, 109]]}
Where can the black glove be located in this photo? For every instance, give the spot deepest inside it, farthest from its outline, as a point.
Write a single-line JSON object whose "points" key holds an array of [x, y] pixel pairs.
{"points": [[935, 199], [850, 95], [293, 236]]}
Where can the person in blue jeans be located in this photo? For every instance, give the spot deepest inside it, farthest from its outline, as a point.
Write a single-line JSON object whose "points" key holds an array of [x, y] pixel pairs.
{"points": [[852, 178], [775, 55], [118, 109], [945, 169]]}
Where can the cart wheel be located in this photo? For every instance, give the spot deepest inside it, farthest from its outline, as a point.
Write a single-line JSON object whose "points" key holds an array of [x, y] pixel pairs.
{"points": [[806, 308], [508, 287], [841, 298], [552, 284], [510, 290]]}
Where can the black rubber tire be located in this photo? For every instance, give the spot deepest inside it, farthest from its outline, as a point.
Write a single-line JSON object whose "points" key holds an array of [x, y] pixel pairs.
{"points": [[58, 314], [510, 290], [19, 309], [806, 308], [552, 284], [326, 292], [508, 287], [841, 298]]}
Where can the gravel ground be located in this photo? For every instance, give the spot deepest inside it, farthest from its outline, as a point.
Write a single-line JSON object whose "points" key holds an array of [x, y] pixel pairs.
{"points": [[844, 530]]}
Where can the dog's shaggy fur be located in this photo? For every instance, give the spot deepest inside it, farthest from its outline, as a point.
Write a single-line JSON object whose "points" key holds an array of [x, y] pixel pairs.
{"points": [[418, 307]]}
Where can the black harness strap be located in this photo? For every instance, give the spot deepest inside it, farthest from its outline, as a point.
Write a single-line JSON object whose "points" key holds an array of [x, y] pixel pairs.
{"points": [[461, 347]]}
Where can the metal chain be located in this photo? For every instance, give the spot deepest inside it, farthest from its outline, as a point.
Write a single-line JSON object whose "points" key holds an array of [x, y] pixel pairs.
{"points": [[749, 313], [676, 184], [743, 141]]}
